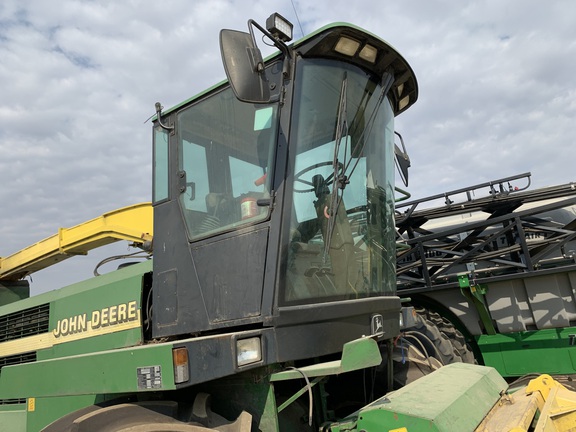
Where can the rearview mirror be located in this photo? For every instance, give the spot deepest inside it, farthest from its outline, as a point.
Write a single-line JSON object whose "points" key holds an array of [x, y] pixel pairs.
{"points": [[244, 66]]}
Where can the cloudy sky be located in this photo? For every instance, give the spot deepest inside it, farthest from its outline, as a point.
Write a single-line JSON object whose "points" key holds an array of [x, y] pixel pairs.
{"points": [[79, 78]]}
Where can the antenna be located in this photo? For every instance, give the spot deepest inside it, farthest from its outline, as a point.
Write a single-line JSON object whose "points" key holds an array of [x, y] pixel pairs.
{"points": [[297, 18]]}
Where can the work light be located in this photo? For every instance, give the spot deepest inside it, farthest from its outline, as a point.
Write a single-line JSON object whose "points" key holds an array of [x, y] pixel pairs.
{"points": [[347, 46], [279, 27]]}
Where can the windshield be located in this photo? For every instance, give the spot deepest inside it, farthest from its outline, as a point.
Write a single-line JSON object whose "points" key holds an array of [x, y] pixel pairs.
{"points": [[341, 227]]}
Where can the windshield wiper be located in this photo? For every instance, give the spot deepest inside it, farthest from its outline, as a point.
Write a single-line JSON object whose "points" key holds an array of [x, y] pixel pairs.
{"points": [[339, 177]]}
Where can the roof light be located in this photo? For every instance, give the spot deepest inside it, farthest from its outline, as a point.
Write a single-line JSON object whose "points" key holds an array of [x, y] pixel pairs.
{"points": [[404, 102], [279, 27], [368, 53], [347, 46], [400, 89], [248, 351]]}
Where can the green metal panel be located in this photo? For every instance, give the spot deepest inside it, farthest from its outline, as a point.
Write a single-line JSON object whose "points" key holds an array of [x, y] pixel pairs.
{"points": [[454, 398], [98, 293], [78, 288], [250, 391], [47, 410], [88, 377], [13, 291], [540, 351], [13, 418], [99, 373], [357, 354], [120, 339], [100, 314]]}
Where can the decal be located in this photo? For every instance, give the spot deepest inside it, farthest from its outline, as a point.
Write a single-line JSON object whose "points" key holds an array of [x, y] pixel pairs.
{"points": [[377, 325], [110, 319], [108, 316], [149, 377]]}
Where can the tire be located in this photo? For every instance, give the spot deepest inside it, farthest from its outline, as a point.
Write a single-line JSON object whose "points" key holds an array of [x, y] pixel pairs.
{"points": [[461, 347], [431, 343], [158, 416]]}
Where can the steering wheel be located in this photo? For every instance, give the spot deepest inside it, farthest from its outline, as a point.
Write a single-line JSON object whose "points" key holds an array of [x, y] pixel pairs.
{"points": [[328, 181]]}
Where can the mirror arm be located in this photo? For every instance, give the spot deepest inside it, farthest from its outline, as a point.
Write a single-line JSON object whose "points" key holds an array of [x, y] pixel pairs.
{"points": [[159, 118], [277, 43], [402, 154]]}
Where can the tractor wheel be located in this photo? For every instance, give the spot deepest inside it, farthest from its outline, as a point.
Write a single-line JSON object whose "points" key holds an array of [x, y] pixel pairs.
{"points": [[431, 343], [428, 338], [454, 335], [158, 416]]}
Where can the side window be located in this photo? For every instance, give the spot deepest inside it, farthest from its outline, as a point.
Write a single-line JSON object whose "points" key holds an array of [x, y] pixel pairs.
{"points": [[226, 154], [160, 165]]}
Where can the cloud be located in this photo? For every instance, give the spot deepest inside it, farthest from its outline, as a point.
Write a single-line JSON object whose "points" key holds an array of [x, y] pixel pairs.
{"points": [[80, 77]]}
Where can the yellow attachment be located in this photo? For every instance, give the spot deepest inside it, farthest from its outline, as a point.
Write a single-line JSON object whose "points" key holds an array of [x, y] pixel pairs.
{"points": [[512, 413], [133, 223], [515, 412], [558, 413]]}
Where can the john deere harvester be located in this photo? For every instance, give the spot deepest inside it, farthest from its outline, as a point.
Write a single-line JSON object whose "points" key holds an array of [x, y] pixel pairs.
{"points": [[268, 301]]}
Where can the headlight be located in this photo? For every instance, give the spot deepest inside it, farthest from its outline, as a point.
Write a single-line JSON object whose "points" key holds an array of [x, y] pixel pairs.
{"points": [[248, 351]]}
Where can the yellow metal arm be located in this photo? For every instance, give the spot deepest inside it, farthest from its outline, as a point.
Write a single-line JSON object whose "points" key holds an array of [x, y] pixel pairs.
{"points": [[133, 223], [543, 398], [558, 413]]}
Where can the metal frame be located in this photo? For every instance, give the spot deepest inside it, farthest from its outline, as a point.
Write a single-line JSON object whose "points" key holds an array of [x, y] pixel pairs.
{"points": [[433, 260]]}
